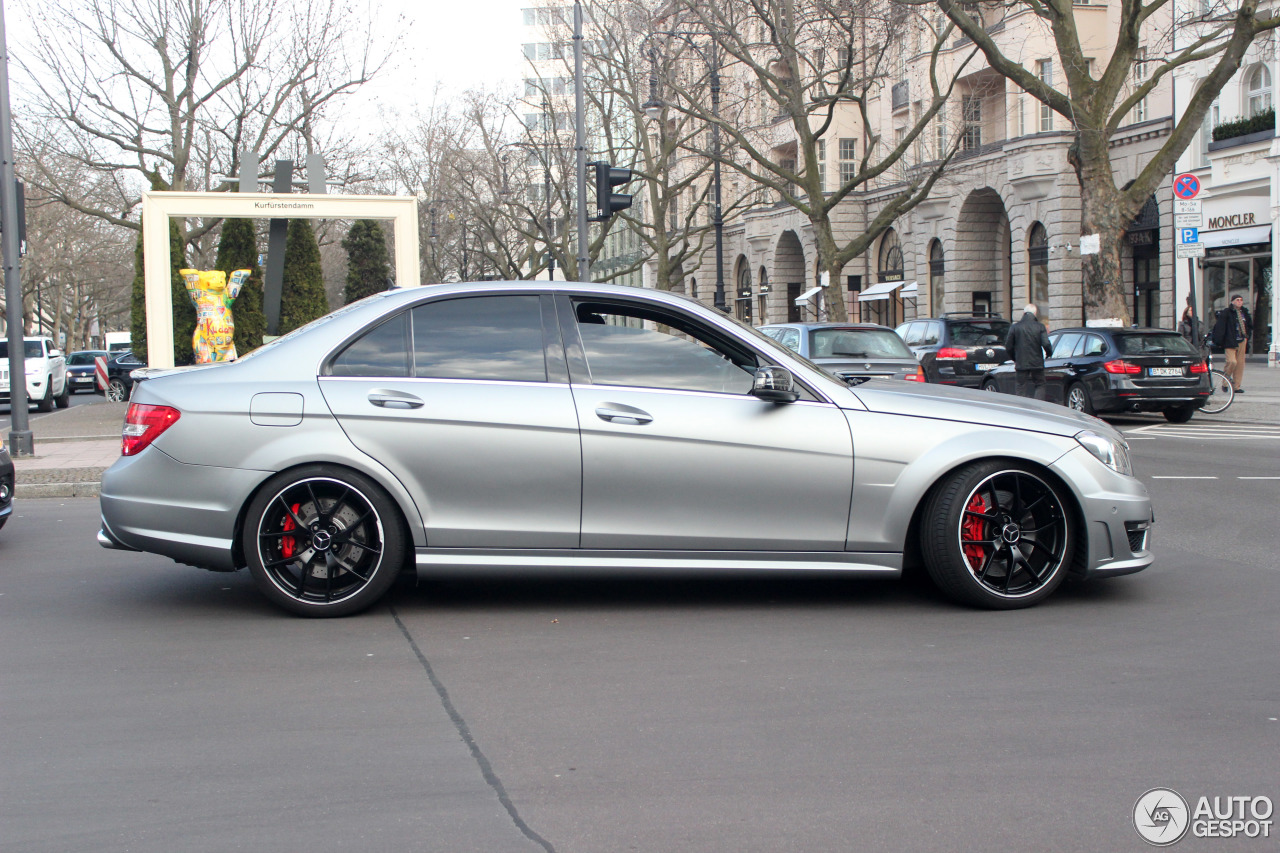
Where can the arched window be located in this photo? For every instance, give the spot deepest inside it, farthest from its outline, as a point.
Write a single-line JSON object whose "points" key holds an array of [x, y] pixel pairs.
{"points": [[1259, 93], [743, 301], [891, 266], [693, 287], [763, 311], [1038, 267], [937, 271]]}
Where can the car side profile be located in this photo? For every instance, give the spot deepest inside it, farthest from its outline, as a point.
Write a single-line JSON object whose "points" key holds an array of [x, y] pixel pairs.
{"points": [[120, 367], [855, 352], [564, 426], [1108, 371], [46, 371]]}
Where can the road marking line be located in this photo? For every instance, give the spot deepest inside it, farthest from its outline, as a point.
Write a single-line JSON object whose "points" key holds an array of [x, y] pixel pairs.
{"points": [[1258, 478], [1173, 477]]}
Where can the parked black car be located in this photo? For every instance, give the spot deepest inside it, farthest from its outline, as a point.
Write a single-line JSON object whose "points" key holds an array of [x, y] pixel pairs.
{"points": [[855, 352], [6, 484], [119, 382], [1119, 370], [957, 349], [80, 369]]}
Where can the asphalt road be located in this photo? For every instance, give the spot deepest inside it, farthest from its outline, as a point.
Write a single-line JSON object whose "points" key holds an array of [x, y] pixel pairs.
{"points": [[148, 706], [83, 398]]}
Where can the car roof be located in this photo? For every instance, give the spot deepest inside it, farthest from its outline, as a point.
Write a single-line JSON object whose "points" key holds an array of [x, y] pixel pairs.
{"points": [[828, 325], [1115, 330]]}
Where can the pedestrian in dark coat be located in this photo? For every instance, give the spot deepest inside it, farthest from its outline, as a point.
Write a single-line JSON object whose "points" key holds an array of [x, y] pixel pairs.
{"points": [[1232, 331], [1028, 344]]}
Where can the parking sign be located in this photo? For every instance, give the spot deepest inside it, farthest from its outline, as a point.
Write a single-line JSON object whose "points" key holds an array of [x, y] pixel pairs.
{"points": [[1189, 235]]}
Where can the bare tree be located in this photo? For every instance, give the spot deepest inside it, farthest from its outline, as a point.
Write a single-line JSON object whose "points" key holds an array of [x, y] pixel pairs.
{"points": [[1096, 102], [817, 65], [165, 94]]}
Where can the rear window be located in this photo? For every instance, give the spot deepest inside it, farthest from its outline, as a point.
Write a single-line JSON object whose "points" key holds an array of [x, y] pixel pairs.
{"points": [[1158, 344], [978, 333], [857, 343]]}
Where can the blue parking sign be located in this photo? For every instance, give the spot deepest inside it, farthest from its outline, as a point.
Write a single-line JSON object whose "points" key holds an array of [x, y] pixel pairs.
{"points": [[1189, 235]]}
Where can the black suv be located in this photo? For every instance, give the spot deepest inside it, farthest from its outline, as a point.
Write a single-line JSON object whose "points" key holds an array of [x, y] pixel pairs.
{"points": [[957, 349]]}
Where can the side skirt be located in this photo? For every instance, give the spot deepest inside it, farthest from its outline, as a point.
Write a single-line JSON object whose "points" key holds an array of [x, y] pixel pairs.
{"points": [[539, 561]]}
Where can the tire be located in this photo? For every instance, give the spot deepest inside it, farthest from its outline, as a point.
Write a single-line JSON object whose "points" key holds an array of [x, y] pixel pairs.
{"points": [[1222, 392], [1078, 399], [997, 535], [1179, 415], [353, 551], [116, 392], [64, 399], [990, 385], [45, 403]]}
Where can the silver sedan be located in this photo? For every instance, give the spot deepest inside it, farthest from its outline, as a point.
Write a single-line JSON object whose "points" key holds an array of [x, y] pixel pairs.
{"points": [[563, 426]]}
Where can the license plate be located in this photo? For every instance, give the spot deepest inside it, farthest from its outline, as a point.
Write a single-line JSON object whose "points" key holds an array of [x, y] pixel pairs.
{"points": [[1164, 371], [991, 366]]}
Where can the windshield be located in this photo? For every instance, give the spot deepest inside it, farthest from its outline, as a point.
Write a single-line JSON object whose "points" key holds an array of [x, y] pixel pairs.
{"points": [[30, 349], [979, 333], [77, 359], [1166, 344], [857, 343]]}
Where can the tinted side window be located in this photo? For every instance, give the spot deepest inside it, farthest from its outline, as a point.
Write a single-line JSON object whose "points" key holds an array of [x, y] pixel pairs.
{"points": [[910, 333], [480, 337], [1064, 346], [931, 332], [381, 351], [640, 348], [1093, 345]]}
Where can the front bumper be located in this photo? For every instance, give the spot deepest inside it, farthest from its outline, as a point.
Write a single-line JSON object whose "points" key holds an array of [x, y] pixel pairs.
{"points": [[35, 390], [1117, 516], [152, 502]]}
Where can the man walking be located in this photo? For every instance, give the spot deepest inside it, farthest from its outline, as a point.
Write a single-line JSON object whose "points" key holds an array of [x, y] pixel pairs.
{"points": [[1232, 332], [1028, 343]]}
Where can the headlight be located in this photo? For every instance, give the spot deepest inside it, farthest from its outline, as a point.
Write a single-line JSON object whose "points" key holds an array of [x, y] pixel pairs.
{"points": [[1110, 452]]}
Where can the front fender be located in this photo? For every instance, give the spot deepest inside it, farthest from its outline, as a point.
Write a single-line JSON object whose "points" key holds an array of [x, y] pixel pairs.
{"points": [[899, 459]]}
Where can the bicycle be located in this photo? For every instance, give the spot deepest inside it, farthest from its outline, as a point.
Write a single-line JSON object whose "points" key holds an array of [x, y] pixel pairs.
{"points": [[1221, 391]]}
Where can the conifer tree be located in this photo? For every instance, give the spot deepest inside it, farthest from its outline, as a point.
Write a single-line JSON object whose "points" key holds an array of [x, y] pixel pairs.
{"points": [[184, 311], [302, 297], [368, 267], [238, 250]]}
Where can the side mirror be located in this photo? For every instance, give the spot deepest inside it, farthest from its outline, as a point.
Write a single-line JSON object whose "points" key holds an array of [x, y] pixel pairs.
{"points": [[775, 385]]}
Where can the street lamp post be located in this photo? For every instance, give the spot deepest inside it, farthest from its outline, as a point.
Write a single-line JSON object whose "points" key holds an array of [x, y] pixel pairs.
{"points": [[654, 109]]}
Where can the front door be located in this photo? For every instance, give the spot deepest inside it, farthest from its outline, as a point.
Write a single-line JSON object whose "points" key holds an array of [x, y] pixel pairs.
{"points": [[463, 402], [677, 455]]}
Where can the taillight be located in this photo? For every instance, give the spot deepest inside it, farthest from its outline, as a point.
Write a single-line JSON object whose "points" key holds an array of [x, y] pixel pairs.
{"points": [[918, 376], [1199, 368], [143, 425], [1121, 366], [952, 354]]}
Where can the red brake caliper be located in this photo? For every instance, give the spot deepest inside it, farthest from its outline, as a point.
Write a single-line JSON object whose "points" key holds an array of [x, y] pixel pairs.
{"points": [[287, 544], [974, 529]]}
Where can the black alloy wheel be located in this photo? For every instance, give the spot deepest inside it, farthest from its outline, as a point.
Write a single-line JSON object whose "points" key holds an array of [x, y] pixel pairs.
{"points": [[323, 543], [997, 535]]}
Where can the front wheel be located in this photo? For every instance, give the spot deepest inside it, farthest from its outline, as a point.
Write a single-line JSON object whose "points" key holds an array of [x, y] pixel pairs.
{"points": [[1078, 398], [45, 403], [997, 535], [64, 399], [990, 385], [116, 392], [323, 543], [1221, 393]]}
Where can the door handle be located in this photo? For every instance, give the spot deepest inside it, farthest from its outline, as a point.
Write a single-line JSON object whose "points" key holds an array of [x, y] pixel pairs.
{"points": [[616, 413], [394, 400]]}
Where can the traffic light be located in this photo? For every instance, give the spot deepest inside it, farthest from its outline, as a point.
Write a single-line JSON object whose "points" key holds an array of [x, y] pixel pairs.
{"points": [[607, 201]]}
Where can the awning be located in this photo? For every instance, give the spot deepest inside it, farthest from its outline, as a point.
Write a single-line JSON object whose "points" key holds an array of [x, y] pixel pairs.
{"points": [[910, 291], [807, 295], [880, 291], [1236, 236]]}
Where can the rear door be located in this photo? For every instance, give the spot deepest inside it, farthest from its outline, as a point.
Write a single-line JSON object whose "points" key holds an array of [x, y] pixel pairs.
{"points": [[462, 399], [1059, 369]]}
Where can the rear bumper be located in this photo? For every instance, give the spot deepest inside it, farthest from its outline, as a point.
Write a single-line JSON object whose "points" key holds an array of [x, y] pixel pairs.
{"points": [[1125, 396]]}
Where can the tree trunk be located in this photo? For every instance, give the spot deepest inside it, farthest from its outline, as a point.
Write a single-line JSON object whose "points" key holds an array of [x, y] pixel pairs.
{"points": [[1104, 286]]}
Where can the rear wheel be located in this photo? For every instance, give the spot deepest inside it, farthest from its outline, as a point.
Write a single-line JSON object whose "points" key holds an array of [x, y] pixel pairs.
{"points": [[1221, 393], [323, 543], [1179, 415], [1078, 398], [997, 535]]}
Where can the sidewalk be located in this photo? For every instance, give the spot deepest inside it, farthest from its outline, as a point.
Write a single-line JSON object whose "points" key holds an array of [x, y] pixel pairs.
{"points": [[74, 446]]}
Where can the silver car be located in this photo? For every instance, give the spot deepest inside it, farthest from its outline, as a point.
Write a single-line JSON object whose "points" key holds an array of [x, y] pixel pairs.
{"points": [[563, 426], [855, 352]]}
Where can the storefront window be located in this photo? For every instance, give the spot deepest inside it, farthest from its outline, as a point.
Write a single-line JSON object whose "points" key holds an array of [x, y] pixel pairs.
{"points": [[1038, 268], [1243, 270], [937, 278]]}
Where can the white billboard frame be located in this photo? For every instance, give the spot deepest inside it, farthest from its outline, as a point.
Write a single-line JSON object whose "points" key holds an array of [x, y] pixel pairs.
{"points": [[159, 207]]}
